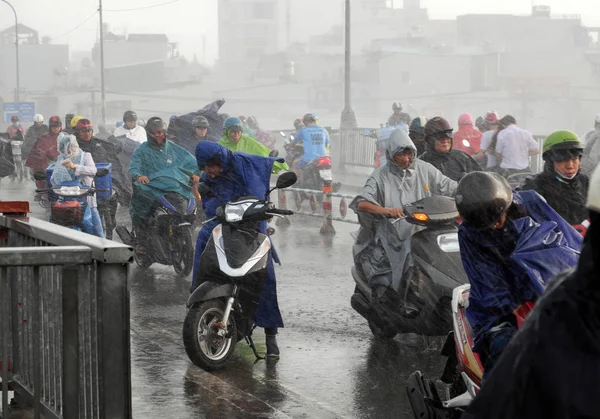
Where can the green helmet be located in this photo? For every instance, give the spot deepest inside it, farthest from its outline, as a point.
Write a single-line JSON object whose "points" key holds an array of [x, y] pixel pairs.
{"points": [[562, 145]]}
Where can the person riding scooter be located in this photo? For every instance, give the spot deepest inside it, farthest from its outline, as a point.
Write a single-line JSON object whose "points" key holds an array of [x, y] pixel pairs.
{"points": [[561, 183], [73, 164], [315, 140], [550, 368], [383, 258], [130, 129], [44, 151], [230, 175], [155, 170], [234, 140], [416, 132], [503, 275]]}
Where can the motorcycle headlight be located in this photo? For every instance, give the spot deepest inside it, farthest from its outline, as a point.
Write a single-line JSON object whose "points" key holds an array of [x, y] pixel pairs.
{"points": [[70, 191], [448, 242], [234, 213]]}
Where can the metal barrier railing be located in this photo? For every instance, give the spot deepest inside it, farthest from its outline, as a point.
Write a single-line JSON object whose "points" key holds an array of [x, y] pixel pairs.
{"points": [[321, 206], [64, 330]]}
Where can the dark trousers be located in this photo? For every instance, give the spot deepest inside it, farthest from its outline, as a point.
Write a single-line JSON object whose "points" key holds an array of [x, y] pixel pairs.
{"points": [[496, 340]]}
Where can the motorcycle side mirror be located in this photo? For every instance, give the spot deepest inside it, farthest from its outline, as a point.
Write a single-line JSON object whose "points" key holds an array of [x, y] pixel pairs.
{"points": [[204, 190], [466, 143], [292, 137], [39, 176], [274, 153], [101, 172], [282, 134], [285, 180]]}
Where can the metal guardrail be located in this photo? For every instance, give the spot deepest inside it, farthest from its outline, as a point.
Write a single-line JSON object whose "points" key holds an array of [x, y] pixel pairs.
{"points": [[64, 330], [323, 211]]}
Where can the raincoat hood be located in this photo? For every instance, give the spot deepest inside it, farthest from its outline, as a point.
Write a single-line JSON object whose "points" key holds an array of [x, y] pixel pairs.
{"points": [[399, 140], [67, 145], [250, 170]]}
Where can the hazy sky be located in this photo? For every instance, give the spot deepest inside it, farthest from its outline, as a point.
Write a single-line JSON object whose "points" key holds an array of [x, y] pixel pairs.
{"points": [[186, 21]]}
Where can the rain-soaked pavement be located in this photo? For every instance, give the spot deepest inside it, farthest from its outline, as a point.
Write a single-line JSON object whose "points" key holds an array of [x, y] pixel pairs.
{"points": [[330, 365]]}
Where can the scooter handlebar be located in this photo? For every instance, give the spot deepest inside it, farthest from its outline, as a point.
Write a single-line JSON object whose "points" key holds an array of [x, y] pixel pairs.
{"points": [[280, 211]]}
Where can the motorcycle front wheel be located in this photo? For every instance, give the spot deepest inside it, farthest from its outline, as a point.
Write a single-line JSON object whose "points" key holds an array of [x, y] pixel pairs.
{"points": [[204, 346], [183, 254]]}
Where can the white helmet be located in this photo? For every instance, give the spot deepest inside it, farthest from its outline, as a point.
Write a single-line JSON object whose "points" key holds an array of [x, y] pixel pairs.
{"points": [[38, 118]]}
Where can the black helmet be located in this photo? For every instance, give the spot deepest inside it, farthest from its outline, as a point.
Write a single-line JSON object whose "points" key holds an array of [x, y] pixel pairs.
{"points": [[129, 116], [417, 128], [153, 124], [200, 122], [482, 198]]}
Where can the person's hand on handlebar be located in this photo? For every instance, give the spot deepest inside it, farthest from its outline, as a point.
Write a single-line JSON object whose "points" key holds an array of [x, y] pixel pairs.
{"points": [[143, 180], [195, 179], [395, 213]]}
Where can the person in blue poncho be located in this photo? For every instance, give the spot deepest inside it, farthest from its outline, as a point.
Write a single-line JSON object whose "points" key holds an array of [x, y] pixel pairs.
{"points": [[154, 168], [510, 245], [230, 175]]}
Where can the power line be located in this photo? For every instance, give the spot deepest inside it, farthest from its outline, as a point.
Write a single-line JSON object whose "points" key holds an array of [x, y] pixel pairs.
{"points": [[142, 8], [76, 27]]}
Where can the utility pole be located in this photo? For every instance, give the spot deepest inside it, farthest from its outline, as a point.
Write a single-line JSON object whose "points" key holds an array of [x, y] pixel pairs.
{"points": [[102, 88], [289, 23], [18, 91], [348, 118]]}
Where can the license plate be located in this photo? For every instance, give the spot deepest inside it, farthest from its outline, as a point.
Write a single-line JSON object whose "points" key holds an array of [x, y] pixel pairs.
{"points": [[326, 174]]}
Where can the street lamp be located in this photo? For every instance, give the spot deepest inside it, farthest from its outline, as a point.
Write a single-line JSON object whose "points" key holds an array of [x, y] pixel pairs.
{"points": [[18, 92], [348, 118]]}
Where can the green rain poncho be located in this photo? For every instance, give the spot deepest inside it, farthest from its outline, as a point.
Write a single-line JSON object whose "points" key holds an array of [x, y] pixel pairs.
{"points": [[249, 145], [161, 166]]}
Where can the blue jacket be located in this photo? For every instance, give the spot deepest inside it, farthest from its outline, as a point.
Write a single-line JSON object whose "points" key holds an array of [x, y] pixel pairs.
{"points": [[241, 174], [315, 140], [511, 266]]}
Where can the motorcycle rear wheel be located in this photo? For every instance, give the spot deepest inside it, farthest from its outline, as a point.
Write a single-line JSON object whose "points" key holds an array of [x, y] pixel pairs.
{"points": [[204, 347], [183, 255]]}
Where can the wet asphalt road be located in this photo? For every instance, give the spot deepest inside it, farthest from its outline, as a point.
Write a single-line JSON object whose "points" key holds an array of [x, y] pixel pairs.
{"points": [[330, 365]]}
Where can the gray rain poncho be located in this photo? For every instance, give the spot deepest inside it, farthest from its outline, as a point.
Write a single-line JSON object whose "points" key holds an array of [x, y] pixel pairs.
{"points": [[382, 249]]}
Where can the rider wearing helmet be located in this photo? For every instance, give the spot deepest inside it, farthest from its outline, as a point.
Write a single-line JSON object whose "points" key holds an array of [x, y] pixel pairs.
{"points": [[68, 129], [491, 120], [44, 151], [155, 170], [298, 124], [201, 126], [452, 163], [130, 129], [234, 140], [513, 146], [535, 376], [15, 128], [33, 133], [561, 183], [315, 140], [591, 153], [398, 117], [416, 132], [467, 138], [103, 151], [499, 229]]}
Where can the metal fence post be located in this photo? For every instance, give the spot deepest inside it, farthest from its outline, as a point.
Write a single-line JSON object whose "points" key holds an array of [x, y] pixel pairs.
{"points": [[5, 330], [282, 204], [114, 342], [70, 320], [327, 227]]}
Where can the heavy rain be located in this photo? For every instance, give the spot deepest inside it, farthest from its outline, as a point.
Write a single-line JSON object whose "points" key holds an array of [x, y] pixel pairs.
{"points": [[299, 209]]}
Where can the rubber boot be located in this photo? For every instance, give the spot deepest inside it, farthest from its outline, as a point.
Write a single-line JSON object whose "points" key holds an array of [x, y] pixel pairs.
{"points": [[271, 341]]}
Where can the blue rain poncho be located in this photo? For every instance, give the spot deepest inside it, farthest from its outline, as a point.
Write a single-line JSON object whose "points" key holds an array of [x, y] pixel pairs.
{"points": [[241, 174], [510, 266]]}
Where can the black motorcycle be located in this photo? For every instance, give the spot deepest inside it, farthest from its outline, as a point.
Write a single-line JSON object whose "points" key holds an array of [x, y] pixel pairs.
{"points": [[232, 272], [169, 234], [424, 302]]}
